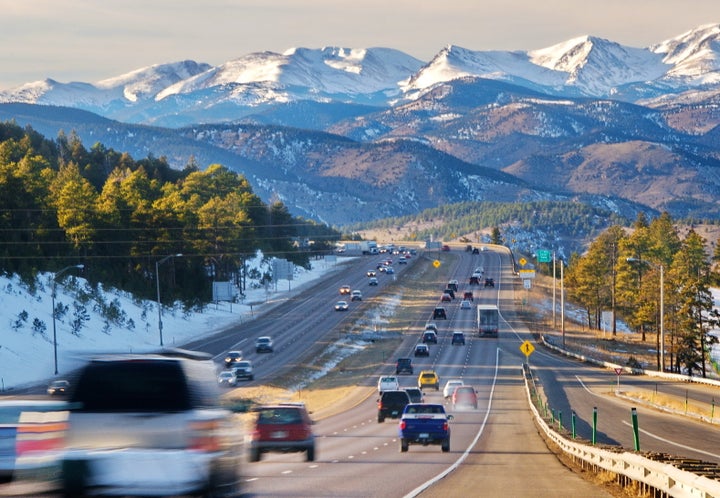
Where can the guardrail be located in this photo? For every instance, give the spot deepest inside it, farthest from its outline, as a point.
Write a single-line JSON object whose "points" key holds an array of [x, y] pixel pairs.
{"points": [[668, 476]]}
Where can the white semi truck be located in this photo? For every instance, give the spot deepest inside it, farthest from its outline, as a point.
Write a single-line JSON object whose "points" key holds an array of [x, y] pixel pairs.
{"points": [[488, 320]]}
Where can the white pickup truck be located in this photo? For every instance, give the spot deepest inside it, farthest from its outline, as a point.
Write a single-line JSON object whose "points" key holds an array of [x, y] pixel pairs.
{"points": [[388, 383]]}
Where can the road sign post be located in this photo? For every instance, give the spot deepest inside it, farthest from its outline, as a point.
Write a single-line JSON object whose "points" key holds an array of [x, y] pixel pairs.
{"points": [[618, 372]]}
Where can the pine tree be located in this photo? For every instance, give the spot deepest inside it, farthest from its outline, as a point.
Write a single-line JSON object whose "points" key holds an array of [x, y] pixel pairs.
{"points": [[691, 273]]}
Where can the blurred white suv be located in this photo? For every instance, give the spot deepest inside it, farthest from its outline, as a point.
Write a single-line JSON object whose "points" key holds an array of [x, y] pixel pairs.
{"points": [[149, 425]]}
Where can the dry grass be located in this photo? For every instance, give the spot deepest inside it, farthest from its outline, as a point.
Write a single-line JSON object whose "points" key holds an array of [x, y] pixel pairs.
{"points": [[674, 404]]}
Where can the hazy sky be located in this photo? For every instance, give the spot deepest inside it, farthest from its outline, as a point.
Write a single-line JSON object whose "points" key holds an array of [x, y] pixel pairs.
{"points": [[90, 40]]}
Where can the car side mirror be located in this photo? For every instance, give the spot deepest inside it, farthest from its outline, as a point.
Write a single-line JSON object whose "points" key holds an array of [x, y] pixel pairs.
{"points": [[450, 417]]}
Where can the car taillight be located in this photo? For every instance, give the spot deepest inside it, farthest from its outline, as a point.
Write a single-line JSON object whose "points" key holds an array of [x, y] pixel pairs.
{"points": [[446, 426], [204, 435]]}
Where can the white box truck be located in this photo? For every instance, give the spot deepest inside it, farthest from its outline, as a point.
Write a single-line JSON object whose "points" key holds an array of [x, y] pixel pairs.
{"points": [[488, 319]]}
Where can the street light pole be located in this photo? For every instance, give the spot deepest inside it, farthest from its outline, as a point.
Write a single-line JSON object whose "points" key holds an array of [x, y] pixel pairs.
{"points": [[662, 318], [52, 295], [157, 283], [662, 305]]}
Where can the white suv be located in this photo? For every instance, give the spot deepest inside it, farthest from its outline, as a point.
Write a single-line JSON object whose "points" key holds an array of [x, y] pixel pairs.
{"points": [[149, 425], [243, 370]]}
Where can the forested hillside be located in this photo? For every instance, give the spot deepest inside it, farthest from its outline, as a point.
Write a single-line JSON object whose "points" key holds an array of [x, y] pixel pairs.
{"points": [[63, 204], [557, 223]]}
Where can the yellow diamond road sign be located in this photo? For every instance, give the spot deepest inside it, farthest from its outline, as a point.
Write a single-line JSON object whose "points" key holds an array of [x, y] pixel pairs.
{"points": [[527, 348], [522, 261], [436, 263]]}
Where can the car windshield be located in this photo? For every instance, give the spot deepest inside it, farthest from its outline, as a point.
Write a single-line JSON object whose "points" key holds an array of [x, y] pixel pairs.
{"points": [[140, 386], [425, 409], [279, 416]]}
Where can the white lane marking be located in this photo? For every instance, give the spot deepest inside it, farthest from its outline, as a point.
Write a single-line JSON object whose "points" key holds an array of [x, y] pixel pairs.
{"points": [[462, 457], [586, 387], [286, 472], [654, 436], [668, 441]]}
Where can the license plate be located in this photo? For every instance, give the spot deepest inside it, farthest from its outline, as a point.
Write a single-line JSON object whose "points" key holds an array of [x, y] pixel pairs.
{"points": [[424, 435], [279, 434], [395, 412]]}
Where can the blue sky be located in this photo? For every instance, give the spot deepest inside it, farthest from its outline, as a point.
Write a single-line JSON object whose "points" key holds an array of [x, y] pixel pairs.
{"points": [[90, 40]]}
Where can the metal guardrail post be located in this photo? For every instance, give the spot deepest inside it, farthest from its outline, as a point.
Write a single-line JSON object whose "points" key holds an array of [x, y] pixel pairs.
{"points": [[572, 424], [560, 420], [594, 425], [636, 432]]}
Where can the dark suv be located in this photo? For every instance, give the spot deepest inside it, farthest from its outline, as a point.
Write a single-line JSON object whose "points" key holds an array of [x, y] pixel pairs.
{"points": [[403, 365], [439, 313], [284, 428], [391, 404], [152, 415], [429, 337], [458, 338]]}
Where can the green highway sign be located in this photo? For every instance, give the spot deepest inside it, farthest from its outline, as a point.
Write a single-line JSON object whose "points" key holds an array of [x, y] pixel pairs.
{"points": [[544, 256]]}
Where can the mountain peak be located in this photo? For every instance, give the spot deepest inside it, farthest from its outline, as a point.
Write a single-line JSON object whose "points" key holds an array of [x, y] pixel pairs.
{"points": [[694, 55]]}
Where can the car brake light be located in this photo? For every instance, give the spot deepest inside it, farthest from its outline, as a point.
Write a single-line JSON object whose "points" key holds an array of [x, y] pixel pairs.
{"points": [[445, 426], [403, 425], [204, 435]]}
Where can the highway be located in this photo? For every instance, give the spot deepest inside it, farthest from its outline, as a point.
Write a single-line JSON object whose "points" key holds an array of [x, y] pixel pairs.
{"points": [[357, 456], [495, 450]]}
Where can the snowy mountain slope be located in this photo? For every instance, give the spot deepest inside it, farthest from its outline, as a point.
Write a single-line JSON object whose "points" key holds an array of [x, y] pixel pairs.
{"points": [[330, 70], [127, 89], [694, 56]]}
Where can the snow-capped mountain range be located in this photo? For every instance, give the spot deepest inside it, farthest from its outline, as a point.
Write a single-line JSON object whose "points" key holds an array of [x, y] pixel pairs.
{"points": [[348, 136], [585, 66]]}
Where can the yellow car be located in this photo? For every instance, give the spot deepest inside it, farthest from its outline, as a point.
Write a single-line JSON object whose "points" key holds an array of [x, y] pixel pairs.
{"points": [[428, 378]]}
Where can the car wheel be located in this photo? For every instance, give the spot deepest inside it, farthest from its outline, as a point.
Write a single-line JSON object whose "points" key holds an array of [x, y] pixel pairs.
{"points": [[445, 445], [381, 419], [254, 455], [310, 455], [252, 377], [403, 445]]}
